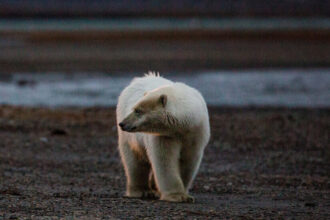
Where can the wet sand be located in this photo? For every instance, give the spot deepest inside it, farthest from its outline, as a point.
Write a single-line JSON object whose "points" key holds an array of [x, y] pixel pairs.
{"points": [[260, 163]]}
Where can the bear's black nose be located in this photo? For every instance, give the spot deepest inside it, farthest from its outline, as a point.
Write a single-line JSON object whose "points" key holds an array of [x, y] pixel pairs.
{"points": [[121, 124]]}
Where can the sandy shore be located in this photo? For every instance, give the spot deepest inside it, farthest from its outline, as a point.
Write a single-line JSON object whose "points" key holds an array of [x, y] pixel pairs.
{"points": [[260, 163]]}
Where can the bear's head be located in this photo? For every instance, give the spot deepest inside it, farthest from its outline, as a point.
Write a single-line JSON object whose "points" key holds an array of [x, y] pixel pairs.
{"points": [[150, 115]]}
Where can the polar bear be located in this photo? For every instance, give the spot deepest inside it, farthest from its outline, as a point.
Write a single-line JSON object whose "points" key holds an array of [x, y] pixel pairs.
{"points": [[163, 128]]}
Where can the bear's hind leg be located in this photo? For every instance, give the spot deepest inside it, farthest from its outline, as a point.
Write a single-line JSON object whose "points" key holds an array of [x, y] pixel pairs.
{"points": [[189, 165], [152, 184], [137, 173]]}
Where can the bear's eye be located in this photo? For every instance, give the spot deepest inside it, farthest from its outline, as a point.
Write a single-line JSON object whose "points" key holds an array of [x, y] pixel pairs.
{"points": [[138, 111]]}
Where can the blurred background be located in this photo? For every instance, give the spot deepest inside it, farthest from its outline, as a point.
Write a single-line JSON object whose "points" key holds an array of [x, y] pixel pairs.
{"points": [[237, 53]]}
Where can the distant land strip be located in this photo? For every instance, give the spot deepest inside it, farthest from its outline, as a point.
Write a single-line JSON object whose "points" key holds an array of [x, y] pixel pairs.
{"points": [[164, 45]]}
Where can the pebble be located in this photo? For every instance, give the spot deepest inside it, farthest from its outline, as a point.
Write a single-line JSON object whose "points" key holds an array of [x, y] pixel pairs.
{"points": [[43, 139]]}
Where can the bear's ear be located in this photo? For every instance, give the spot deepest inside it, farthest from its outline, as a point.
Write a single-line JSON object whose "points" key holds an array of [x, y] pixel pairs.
{"points": [[163, 100]]}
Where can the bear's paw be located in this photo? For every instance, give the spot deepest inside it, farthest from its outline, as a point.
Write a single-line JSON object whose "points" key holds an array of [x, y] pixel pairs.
{"points": [[178, 197]]}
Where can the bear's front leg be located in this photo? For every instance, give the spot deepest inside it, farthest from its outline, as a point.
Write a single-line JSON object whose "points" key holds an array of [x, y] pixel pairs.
{"points": [[164, 155], [137, 173]]}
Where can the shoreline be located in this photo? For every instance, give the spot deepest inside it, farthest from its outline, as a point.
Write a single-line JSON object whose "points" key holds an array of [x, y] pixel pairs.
{"points": [[282, 87]]}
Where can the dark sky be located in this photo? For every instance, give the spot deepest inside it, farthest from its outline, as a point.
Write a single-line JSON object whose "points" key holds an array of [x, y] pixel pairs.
{"points": [[237, 8]]}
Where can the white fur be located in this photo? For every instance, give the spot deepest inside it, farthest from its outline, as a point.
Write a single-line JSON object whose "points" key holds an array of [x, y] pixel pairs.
{"points": [[174, 156]]}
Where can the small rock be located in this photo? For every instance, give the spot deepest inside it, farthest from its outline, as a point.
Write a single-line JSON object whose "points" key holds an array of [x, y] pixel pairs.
{"points": [[310, 204], [43, 139], [58, 132], [25, 82]]}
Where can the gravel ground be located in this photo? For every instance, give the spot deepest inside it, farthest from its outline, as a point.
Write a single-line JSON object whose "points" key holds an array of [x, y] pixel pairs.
{"points": [[260, 163]]}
